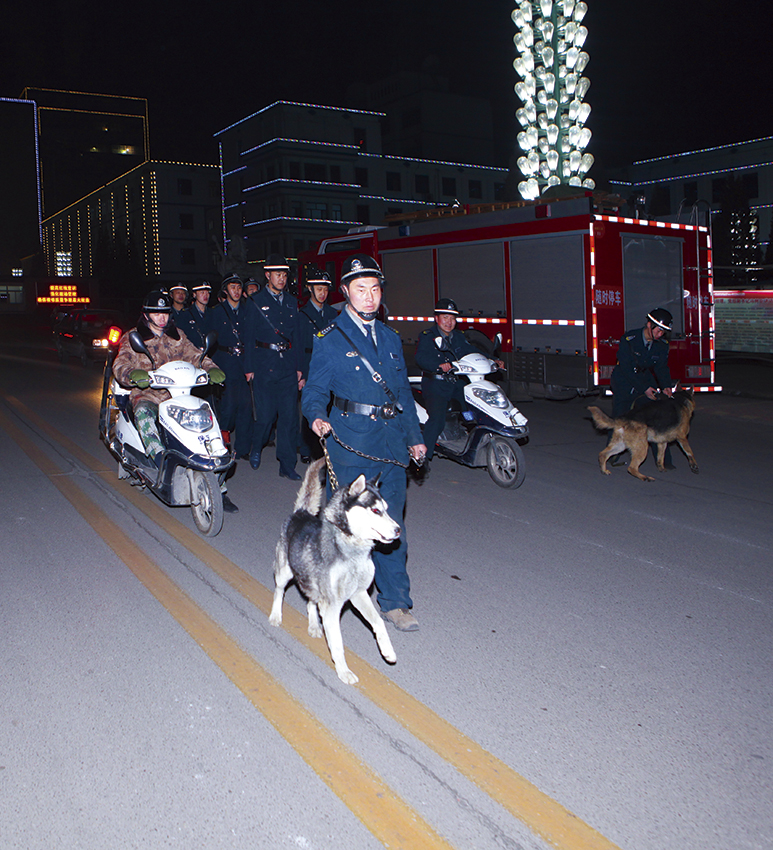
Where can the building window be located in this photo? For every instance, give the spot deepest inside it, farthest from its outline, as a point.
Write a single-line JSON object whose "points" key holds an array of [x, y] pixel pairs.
{"points": [[270, 173], [449, 186], [476, 189], [363, 213], [750, 185], [316, 210], [296, 208], [214, 189], [718, 189], [184, 186], [361, 176], [360, 137], [690, 192], [421, 181], [295, 170], [186, 221], [335, 173], [11, 294], [187, 256], [393, 181], [315, 171], [63, 260], [499, 190], [336, 212]]}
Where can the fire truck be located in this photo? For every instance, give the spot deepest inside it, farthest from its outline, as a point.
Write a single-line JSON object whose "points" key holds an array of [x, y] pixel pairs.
{"points": [[561, 281]]}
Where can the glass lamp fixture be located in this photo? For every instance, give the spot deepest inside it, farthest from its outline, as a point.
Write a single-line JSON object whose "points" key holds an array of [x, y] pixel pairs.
{"points": [[550, 63]]}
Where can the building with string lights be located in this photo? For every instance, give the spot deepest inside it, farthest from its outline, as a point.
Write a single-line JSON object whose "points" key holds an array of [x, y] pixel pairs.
{"points": [[295, 173], [158, 218]]}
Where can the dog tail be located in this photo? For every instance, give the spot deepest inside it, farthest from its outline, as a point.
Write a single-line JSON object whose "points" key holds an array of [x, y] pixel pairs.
{"points": [[311, 496], [600, 419]]}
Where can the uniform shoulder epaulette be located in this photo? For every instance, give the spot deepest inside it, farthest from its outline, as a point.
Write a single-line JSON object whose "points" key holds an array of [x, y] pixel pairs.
{"points": [[392, 329], [324, 331], [629, 337]]}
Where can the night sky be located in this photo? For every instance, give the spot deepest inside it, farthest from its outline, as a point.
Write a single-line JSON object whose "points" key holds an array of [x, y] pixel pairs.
{"points": [[665, 76]]}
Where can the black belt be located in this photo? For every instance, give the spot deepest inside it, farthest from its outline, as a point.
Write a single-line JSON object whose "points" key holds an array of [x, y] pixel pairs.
{"points": [[274, 346], [375, 411]]}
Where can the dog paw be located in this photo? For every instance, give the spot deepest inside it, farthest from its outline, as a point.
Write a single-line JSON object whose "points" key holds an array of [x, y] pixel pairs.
{"points": [[315, 631], [389, 657], [605, 472], [694, 469], [275, 619], [347, 677]]}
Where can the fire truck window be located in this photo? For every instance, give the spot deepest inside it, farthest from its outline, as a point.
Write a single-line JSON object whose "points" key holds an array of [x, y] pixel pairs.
{"points": [[652, 277]]}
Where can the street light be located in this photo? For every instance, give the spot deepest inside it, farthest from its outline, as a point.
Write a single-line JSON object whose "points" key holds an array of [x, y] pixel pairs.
{"points": [[550, 64]]}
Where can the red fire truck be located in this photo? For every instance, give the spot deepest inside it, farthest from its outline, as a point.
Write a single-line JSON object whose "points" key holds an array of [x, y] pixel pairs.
{"points": [[560, 280]]}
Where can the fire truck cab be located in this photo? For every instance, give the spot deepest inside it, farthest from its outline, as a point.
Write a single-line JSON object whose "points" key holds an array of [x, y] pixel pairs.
{"points": [[561, 281]]}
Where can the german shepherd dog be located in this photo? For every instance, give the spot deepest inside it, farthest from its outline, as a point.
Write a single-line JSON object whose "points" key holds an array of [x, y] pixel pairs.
{"points": [[327, 551], [662, 421]]}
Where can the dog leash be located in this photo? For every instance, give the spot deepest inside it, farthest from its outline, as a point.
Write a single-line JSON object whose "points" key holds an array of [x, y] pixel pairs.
{"points": [[329, 463]]}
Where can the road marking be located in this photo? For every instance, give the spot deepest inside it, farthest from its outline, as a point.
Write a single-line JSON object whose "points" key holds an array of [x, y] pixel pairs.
{"points": [[385, 814], [535, 809]]}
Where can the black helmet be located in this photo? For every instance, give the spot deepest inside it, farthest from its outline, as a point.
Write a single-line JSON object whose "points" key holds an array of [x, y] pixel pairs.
{"points": [[446, 305], [178, 286], [157, 301], [360, 265], [314, 277], [232, 278], [249, 281], [662, 318], [201, 284], [276, 263]]}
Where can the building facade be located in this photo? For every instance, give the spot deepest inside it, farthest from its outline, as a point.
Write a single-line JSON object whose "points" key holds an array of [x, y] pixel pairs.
{"points": [[295, 173], [157, 220], [687, 187]]}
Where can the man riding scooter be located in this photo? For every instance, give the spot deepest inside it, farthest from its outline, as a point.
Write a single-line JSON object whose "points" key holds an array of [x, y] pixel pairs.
{"points": [[439, 384], [166, 343]]}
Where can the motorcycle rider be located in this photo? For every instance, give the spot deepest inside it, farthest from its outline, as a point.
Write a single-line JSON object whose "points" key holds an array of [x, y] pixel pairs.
{"points": [[439, 385], [165, 342]]}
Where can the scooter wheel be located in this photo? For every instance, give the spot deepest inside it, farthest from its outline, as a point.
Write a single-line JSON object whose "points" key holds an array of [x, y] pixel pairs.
{"points": [[206, 503], [505, 462]]}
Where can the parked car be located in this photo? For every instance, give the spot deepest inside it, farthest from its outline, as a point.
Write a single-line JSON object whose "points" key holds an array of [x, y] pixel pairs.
{"points": [[85, 333]]}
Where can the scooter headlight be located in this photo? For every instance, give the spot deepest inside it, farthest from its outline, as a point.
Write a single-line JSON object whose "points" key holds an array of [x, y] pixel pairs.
{"points": [[162, 381], [192, 420], [494, 398]]}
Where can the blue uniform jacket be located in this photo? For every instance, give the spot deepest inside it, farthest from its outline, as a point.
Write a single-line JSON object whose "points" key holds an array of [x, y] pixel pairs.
{"points": [[273, 323], [230, 326], [310, 323], [639, 368], [194, 324], [336, 368], [429, 357]]}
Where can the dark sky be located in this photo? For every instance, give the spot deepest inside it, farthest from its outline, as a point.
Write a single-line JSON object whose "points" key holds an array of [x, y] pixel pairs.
{"points": [[665, 76]]}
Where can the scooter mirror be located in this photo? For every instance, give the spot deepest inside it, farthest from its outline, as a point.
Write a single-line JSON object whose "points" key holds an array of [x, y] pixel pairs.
{"points": [[135, 341], [210, 341], [498, 340]]}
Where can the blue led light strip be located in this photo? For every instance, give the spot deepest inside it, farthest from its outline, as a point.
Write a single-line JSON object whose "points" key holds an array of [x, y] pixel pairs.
{"points": [[298, 142], [705, 150], [297, 218], [433, 161], [308, 105], [690, 176], [302, 182]]}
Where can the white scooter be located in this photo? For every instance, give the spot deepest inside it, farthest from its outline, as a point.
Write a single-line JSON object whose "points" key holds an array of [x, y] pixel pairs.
{"points": [[195, 459], [489, 432]]}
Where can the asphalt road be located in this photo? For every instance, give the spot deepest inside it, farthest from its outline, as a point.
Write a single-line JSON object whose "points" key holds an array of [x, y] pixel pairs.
{"points": [[593, 667]]}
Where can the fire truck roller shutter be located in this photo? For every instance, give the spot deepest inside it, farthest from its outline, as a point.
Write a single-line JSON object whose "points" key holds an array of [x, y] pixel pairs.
{"points": [[473, 276], [653, 276]]}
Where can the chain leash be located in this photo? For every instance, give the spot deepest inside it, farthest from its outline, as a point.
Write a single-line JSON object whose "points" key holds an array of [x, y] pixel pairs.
{"points": [[333, 479]]}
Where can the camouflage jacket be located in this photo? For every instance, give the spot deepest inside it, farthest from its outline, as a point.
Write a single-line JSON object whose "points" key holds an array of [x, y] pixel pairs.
{"points": [[171, 345]]}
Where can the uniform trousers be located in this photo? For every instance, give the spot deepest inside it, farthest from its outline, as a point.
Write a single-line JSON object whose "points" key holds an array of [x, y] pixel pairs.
{"points": [[235, 410], [437, 394], [276, 400]]}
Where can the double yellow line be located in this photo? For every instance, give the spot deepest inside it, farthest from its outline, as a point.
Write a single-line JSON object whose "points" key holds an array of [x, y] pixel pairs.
{"points": [[391, 820]]}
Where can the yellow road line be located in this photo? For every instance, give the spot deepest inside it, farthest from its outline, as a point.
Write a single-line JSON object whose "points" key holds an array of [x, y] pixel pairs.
{"points": [[535, 809], [391, 820]]}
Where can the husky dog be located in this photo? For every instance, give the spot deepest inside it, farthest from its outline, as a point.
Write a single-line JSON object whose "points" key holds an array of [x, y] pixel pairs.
{"points": [[327, 550], [661, 422]]}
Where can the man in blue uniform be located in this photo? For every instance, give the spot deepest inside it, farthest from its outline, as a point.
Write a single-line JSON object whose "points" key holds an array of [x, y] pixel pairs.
{"points": [[315, 315], [642, 364], [642, 369], [273, 367], [438, 383], [359, 363], [229, 319], [194, 320]]}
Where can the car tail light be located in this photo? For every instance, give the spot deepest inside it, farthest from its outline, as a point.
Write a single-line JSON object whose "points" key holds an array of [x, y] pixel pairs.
{"points": [[114, 335]]}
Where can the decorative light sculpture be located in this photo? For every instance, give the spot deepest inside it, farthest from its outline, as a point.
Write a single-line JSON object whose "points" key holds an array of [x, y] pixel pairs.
{"points": [[550, 64]]}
